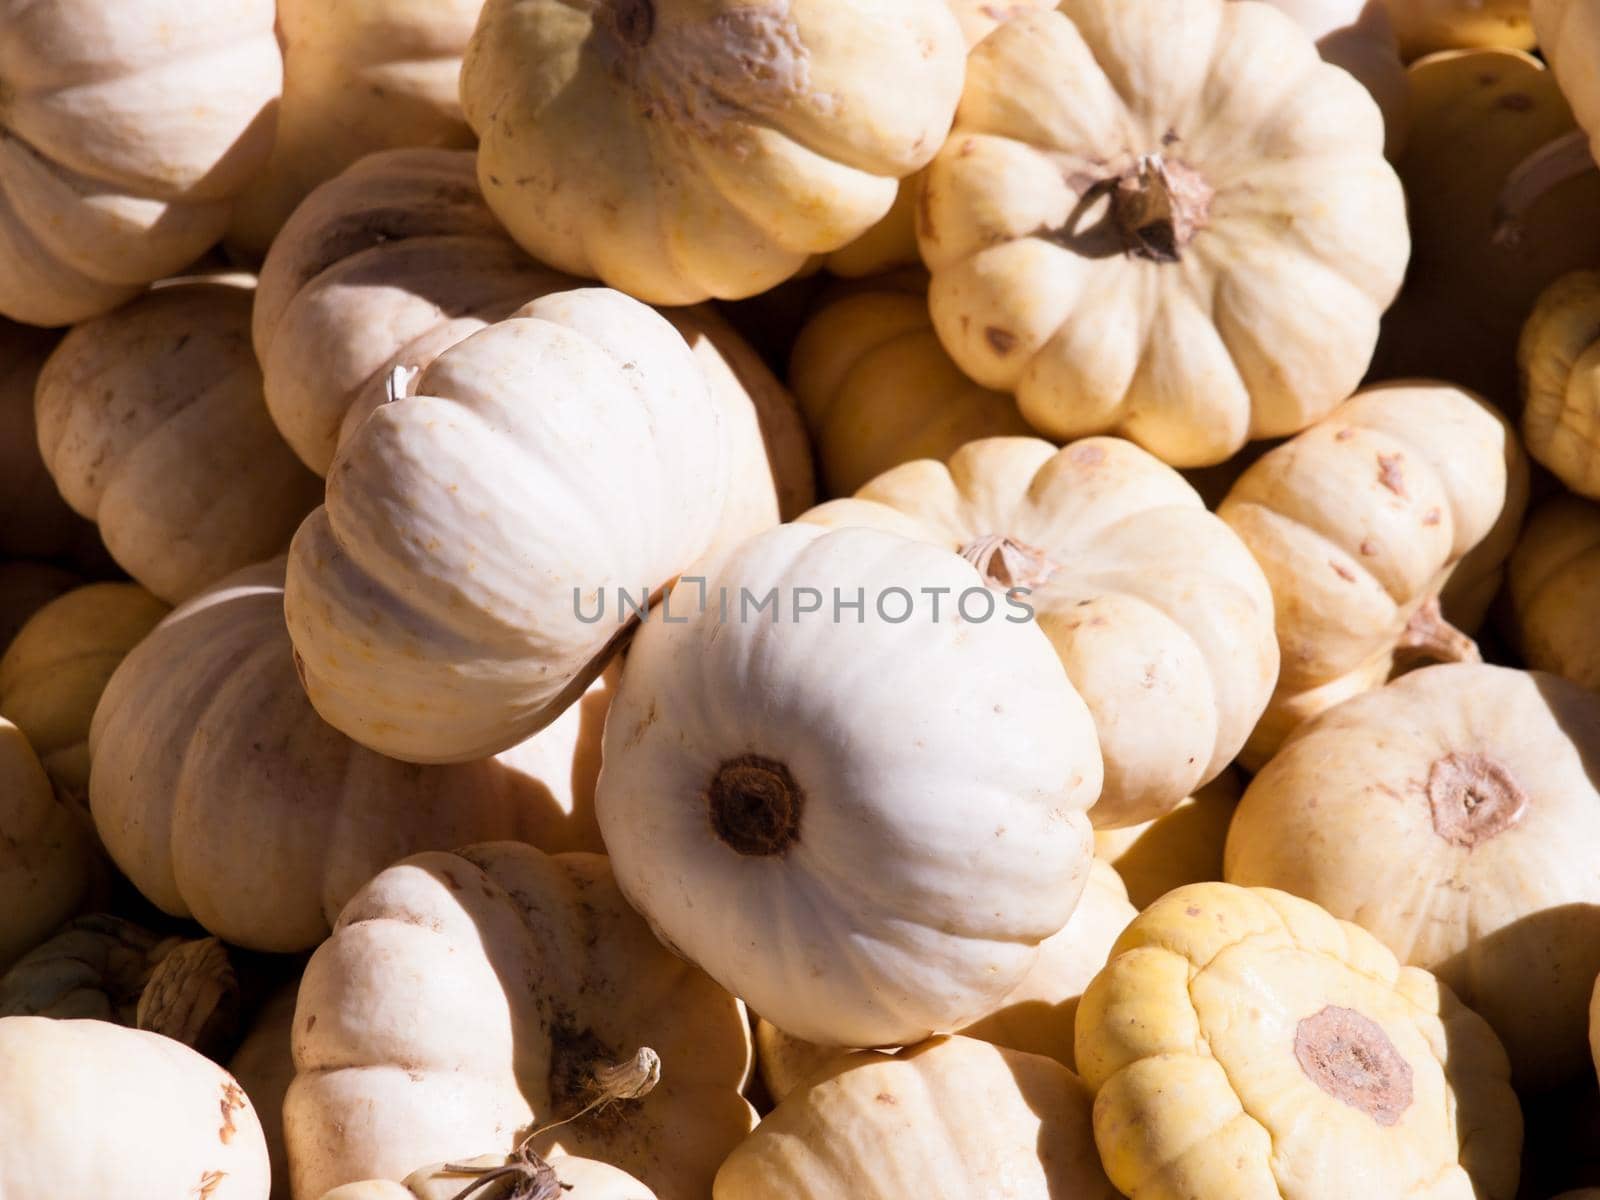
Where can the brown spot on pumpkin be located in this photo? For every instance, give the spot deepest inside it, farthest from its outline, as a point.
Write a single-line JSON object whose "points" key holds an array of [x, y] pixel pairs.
{"points": [[1001, 341], [1488, 79], [1193, 910], [1351, 1058], [1515, 102], [886, 1098], [1390, 475], [209, 1183], [1344, 435], [1342, 571], [1472, 798], [1432, 517], [967, 149], [1169, 137], [450, 880], [1368, 547], [1087, 454], [311, 1022], [232, 1101]]}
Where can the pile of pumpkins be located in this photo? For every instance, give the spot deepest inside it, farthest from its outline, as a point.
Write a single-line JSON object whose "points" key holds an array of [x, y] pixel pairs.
{"points": [[799, 599]]}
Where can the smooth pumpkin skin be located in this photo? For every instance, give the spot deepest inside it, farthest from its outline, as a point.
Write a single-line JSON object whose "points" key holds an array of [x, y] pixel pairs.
{"points": [[579, 1179], [1184, 846], [55, 669], [410, 1042], [1427, 26], [358, 77], [1560, 398], [1155, 608], [1359, 35], [1358, 524], [1205, 1036], [1187, 341], [35, 522], [1554, 588], [152, 424], [1455, 815], [25, 588], [215, 783], [128, 130], [724, 143], [952, 1117]]}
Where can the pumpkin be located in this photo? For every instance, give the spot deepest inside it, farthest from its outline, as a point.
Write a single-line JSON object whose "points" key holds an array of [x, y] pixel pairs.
{"points": [[48, 863], [876, 388], [1476, 115], [52, 674], [1554, 589], [264, 1066], [152, 424], [785, 786], [1184, 846], [723, 143], [1359, 35], [1035, 1017], [1425, 26], [128, 128], [357, 78], [1594, 1025], [953, 1117], [562, 1175], [1357, 523], [25, 588], [467, 998], [216, 784], [1455, 815], [1242, 1042], [1155, 608], [1560, 399], [124, 1113], [35, 521], [1112, 242]]}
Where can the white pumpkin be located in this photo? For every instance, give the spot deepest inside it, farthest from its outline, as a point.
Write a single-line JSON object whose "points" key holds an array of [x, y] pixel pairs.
{"points": [[1554, 589]]}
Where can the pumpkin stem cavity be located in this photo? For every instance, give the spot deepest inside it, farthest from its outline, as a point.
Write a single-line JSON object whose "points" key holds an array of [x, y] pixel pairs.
{"points": [[1472, 798], [1351, 1058], [1428, 637], [755, 805], [1547, 168], [1006, 563], [633, 21], [1159, 205]]}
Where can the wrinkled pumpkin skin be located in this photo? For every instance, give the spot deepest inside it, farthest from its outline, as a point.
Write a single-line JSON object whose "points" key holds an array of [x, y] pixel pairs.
{"points": [[1554, 586], [1244, 1044], [1560, 386], [1185, 846], [952, 1117], [410, 1041], [1455, 815], [126, 132], [577, 1178]]}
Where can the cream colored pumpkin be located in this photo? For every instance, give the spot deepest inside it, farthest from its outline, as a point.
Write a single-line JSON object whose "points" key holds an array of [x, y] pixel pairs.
{"points": [[1112, 240], [1554, 587], [1425, 26], [1358, 523], [1185, 846], [575, 1178], [128, 128], [55, 669], [1455, 814], [1568, 34], [952, 1117], [1359, 36], [215, 784], [809, 804], [357, 78], [1155, 608], [1561, 400], [25, 588], [467, 997], [35, 522], [152, 424], [437, 601], [723, 143], [263, 1064]]}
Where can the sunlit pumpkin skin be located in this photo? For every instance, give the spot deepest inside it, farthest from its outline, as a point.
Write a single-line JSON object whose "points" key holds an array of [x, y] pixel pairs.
{"points": [[1358, 523], [125, 1113], [1109, 242], [723, 143], [410, 1044], [263, 1064], [1455, 815], [1243, 1043], [128, 128], [1185, 846], [55, 669], [877, 389], [1359, 36], [952, 1117], [35, 522], [574, 1178], [357, 78], [1156, 609], [152, 424], [215, 783], [832, 823], [1554, 588], [1558, 359]]}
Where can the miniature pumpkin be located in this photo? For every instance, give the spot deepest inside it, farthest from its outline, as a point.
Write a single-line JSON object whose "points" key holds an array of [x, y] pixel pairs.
{"points": [[723, 143], [1357, 523], [1185, 846], [52, 674], [1425, 26], [467, 997], [564, 1176], [1554, 586], [1242, 1042], [263, 1064], [876, 388], [1156, 609], [127, 128], [1455, 814], [964, 1119], [152, 423], [436, 601], [1359, 36], [35, 522], [1568, 35], [215, 783], [771, 821], [357, 78], [25, 588], [1561, 400], [1190, 257]]}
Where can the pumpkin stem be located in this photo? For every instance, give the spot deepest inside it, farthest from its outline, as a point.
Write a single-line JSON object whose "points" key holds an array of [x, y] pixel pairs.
{"points": [[1007, 563], [192, 997], [1428, 637], [1472, 798], [755, 806], [1159, 205], [398, 385], [1546, 169]]}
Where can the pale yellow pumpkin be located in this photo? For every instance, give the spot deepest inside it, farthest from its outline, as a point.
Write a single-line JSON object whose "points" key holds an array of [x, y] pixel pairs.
{"points": [[1190, 256], [1558, 357], [126, 131], [1243, 1043], [562, 1176], [1554, 588], [1155, 608], [25, 588], [1568, 34], [35, 522], [1425, 26], [1455, 814], [152, 423], [55, 669], [1358, 523], [1185, 846], [215, 784], [468, 997]]}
